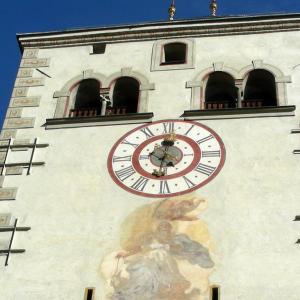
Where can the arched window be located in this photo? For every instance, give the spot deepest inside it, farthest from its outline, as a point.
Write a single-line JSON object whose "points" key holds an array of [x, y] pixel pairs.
{"points": [[220, 91], [86, 99], [125, 96], [260, 89], [174, 53]]}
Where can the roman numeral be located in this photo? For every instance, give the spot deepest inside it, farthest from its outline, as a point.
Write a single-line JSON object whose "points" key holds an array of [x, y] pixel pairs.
{"points": [[189, 130], [143, 157], [188, 182], [140, 184], [125, 142], [122, 158], [211, 153], [168, 127], [164, 187], [205, 169], [207, 138], [147, 132], [125, 173]]}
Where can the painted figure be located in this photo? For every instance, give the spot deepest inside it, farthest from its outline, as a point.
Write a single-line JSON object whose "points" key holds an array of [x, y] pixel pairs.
{"points": [[164, 246]]}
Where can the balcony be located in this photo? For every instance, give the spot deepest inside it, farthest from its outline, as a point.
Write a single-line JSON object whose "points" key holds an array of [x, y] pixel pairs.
{"points": [[253, 103], [218, 104], [93, 112]]}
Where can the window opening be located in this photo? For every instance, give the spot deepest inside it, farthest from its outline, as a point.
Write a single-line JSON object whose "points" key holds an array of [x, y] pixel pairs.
{"points": [[220, 91], [125, 96], [99, 48], [87, 102], [174, 53], [215, 293], [89, 293], [260, 89]]}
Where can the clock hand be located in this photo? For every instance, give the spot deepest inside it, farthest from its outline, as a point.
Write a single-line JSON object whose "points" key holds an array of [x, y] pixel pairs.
{"points": [[160, 172]]}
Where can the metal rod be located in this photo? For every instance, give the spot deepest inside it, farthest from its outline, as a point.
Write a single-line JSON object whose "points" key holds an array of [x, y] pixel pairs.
{"points": [[6, 155], [24, 164], [11, 241], [28, 146], [31, 157], [11, 228], [13, 251]]}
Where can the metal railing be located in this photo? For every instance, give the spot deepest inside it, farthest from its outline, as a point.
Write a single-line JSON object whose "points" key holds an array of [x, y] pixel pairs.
{"points": [[217, 104], [252, 103], [92, 112]]}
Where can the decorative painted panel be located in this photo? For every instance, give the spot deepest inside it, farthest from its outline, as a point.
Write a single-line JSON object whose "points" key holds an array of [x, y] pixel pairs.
{"points": [[19, 123], [25, 101]]}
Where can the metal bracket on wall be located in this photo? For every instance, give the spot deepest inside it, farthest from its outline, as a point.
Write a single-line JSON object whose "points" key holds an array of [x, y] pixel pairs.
{"points": [[293, 131], [12, 229], [27, 165]]}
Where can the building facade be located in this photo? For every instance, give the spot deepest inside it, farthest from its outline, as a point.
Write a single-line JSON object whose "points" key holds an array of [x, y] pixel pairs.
{"points": [[154, 161]]}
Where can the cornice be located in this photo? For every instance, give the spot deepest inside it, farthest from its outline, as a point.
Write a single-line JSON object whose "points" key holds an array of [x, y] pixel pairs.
{"points": [[162, 30]]}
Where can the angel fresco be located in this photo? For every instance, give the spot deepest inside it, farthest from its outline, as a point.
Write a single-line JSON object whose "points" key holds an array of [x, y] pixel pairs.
{"points": [[165, 253]]}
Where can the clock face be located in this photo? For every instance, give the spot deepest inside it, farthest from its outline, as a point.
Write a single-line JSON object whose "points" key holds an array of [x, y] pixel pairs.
{"points": [[166, 158]]}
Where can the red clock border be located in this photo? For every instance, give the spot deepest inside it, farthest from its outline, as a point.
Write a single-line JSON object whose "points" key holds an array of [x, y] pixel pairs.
{"points": [[192, 166], [126, 188]]}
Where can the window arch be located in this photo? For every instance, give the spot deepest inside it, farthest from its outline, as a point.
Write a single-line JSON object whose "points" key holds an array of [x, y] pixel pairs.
{"points": [[85, 99], [260, 89], [174, 53], [220, 91], [125, 96]]}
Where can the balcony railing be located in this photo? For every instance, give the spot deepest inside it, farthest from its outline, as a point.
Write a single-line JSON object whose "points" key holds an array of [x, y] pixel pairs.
{"points": [[115, 111], [84, 112], [217, 104], [253, 103], [92, 112]]}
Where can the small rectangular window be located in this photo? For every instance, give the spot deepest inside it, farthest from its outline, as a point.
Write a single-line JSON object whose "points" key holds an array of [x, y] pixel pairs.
{"points": [[89, 294], [174, 53], [99, 48], [215, 293]]}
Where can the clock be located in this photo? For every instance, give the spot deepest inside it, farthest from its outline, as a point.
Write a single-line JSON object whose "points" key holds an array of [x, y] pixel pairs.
{"points": [[166, 158]]}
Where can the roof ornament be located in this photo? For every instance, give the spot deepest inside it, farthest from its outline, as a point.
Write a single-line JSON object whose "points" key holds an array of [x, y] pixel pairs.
{"points": [[213, 7], [172, 10]]}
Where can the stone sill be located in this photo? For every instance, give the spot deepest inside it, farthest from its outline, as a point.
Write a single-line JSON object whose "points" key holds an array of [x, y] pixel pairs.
{"points": [[98, 121], [239, 113]]}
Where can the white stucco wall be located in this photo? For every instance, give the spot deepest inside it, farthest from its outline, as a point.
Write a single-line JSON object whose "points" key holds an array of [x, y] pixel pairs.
{"points": [[76, 210]]}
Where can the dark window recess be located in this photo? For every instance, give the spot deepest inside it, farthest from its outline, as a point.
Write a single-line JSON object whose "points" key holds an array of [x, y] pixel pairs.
{"points": [[87, 102], [297, 218], [89, 293], [125, 96], [260, 89], [220, 91], [99, 48], [215, 293], [174, 53]]}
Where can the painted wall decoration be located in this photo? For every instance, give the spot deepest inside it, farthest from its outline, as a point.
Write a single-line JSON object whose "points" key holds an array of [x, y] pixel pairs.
{"points": [[166, 158], [165, 253]]}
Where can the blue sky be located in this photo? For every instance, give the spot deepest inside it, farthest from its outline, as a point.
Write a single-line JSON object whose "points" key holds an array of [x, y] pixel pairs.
{"points": [[36, 16]]}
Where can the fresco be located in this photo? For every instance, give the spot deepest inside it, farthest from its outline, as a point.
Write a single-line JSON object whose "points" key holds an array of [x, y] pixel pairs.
{"points": [[165, 253]]}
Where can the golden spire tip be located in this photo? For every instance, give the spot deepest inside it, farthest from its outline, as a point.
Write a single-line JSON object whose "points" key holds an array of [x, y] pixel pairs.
{"points": [[213, 7], [172, 10]]}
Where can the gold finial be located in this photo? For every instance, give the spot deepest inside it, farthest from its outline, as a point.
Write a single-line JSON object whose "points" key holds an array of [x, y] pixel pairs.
{"points": [[172, 10], [213, 7]]}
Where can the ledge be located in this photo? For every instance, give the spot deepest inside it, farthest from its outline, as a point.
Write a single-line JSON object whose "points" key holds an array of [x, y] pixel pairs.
{"points": [[98, 121], [239, 113], [295, 131]]}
